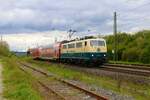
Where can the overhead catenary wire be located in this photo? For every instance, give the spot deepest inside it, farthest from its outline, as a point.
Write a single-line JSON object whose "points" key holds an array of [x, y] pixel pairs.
{"points": [[141, 6]]}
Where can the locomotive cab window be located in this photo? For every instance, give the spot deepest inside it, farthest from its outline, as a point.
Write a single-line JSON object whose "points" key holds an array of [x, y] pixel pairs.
{"points": [[79, 45], [97, 43]]}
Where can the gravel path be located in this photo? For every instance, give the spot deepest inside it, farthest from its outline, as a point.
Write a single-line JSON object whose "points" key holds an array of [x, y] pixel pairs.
{"points": [[1, 87]]}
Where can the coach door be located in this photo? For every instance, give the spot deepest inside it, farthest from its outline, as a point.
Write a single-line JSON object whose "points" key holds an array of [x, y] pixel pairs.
{"points": [[85, 46]]}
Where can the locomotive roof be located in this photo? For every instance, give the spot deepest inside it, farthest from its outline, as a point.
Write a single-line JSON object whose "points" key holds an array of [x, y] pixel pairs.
{"points": [[95, 38]]}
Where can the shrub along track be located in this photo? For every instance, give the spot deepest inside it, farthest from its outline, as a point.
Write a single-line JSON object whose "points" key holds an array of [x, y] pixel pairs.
{"points": [[62, 88]]}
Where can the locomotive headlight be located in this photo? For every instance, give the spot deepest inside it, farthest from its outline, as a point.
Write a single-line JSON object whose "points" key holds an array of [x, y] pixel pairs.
{"points": [[104, 55], [92, 55]]}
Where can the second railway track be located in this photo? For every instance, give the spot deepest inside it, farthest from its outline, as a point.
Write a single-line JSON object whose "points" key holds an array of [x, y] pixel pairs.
{"points": [[62, 87], [130, 69], [139, 67]]}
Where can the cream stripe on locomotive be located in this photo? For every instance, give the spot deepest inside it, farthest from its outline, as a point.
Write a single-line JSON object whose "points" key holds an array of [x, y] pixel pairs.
{"points": [[83, 46]]}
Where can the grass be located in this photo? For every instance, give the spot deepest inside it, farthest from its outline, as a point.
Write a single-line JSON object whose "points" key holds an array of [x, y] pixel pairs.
{"points": [[17, 84], [138, 91]]}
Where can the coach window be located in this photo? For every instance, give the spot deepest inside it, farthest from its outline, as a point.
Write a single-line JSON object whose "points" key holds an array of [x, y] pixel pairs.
{"points": [[71, 45], [64, 46], [79, 45]]}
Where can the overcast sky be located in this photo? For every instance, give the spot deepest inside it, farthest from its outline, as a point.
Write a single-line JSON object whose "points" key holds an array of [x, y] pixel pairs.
{"points": [[20, 20]]}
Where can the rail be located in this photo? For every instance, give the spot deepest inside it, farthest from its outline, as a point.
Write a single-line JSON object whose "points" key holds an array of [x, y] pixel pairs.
{"points": [[90, 93]]}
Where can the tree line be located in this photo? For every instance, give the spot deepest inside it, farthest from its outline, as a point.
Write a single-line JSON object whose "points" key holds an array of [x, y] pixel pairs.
{"points": [[131, 47]]}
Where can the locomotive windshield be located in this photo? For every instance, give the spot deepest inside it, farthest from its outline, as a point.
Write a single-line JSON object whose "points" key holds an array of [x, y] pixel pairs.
{"points": [[97, 43]]}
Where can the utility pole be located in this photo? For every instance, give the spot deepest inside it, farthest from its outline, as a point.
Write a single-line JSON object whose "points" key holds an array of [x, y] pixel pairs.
{"points": [[115, 37]]}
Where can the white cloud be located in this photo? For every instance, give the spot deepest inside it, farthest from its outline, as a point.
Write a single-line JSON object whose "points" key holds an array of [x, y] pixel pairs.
{"points": [[23, 41], [39, 16]]}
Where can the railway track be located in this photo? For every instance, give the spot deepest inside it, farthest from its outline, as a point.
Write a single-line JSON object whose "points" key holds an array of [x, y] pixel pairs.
{"points": [[132, 66], [47, 95], [145, 65], [120, 68], [130, 69], [61, 85]]}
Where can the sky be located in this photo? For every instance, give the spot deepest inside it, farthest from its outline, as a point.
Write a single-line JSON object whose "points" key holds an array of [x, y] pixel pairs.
{"points": [[29, 23]]}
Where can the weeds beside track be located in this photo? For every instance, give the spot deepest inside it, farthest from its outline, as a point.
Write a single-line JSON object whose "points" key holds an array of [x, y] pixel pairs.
{"points": [[138, 87], [98, 97], [17, 85]]}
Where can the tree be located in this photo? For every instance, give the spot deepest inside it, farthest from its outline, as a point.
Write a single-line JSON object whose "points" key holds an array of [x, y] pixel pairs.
{"points": [[145, 55], [135, 47]]}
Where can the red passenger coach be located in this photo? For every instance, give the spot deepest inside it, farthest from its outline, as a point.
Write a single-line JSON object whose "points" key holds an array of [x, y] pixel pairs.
{"points": [[49, 52], [35, 53], [46, 53], [52, 52]]}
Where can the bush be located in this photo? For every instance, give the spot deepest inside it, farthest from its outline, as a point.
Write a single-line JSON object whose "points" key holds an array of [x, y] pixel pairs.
{"points": [[131, 54], [133, 48], [4, 49], [145, 56]]}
